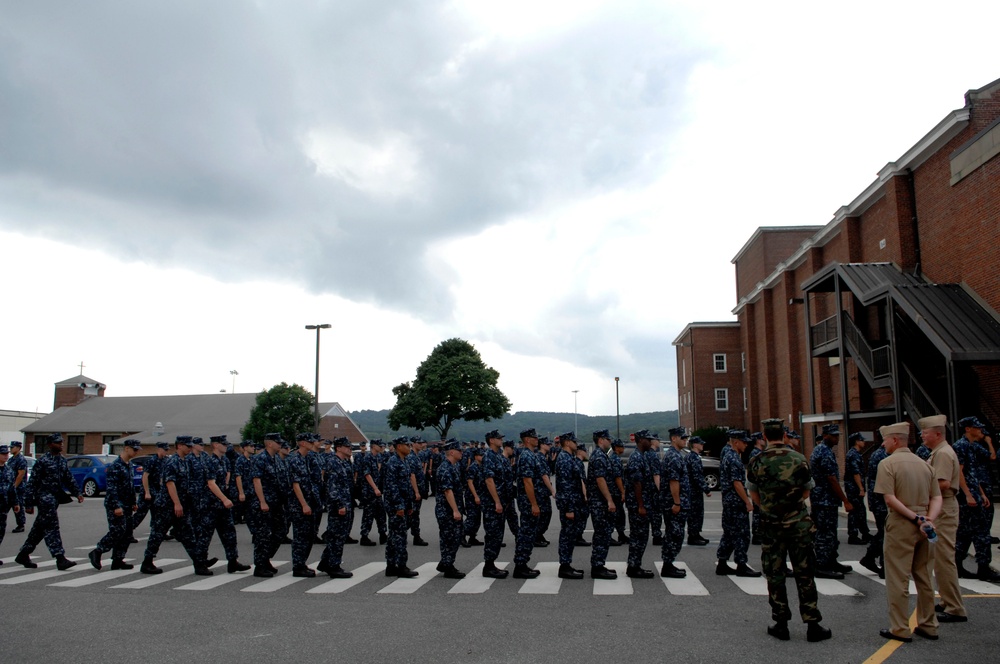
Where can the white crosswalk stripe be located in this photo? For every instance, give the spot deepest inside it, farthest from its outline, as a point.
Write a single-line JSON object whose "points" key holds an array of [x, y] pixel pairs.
{"points": [[276, 582], [108, 574], [620, 586], [39, 576], [425, 573], [213, 582], [475, 583], [547, 583], [868, 574], [9, 566], [157, 579], [361, 575], [689, 585], [750, 586]]}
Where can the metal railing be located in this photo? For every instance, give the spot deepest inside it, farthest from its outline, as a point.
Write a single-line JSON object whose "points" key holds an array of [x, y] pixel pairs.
{"points": [[824, 332], [877, 361], [915, 392]]}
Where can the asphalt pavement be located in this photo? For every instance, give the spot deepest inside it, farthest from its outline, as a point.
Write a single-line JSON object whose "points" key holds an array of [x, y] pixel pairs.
{"points": [[82, 615]]}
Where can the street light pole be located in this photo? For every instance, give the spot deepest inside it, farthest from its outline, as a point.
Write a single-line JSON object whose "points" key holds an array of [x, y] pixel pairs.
{"points": [[574, 411], [618, 410], [323, 326], [234, 373]]}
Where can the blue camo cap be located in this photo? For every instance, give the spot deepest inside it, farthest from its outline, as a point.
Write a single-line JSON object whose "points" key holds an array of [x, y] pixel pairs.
{"points": [[618, 442], [452, 445], [831, 429], [568, 436], [493, 435], [133, 443], [676, 431], [163, 445], [182, 440], [4, 449], [528, 433], [603, 433], [696, 440], [15, 443], [971, 423], [55, 438], [856, 436]]}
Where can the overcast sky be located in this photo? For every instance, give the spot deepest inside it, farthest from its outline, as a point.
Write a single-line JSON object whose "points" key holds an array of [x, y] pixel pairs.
{"points": [[185, 185]]}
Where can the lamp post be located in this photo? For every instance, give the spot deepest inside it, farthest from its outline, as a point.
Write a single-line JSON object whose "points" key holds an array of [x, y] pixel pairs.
{"points": [[322, 326], [574, 411], [618, 411], [234, 373]]}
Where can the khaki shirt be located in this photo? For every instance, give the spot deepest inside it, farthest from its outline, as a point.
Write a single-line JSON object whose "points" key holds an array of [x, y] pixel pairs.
{"points": [[905, 475], [945, 465]]}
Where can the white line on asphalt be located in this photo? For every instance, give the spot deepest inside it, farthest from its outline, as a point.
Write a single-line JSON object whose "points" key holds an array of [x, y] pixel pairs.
{"points": [[750, 586], [16, 567], [38, 576], [276, 583], [425, 573], [221, 579], [107, 574], [156, 579], [689, 585], [547, 583], [978, 586], [620, 586], [868, 574], [834, 587], [475, 583], [361, 574]]}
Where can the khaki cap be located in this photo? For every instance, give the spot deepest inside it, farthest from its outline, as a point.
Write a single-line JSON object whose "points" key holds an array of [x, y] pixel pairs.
{"points": [[897, 429], [932, 421]]}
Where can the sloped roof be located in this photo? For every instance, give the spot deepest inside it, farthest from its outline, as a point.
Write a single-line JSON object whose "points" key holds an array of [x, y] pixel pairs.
{"points": [[867, 281], [76, 380], [959, 324]]}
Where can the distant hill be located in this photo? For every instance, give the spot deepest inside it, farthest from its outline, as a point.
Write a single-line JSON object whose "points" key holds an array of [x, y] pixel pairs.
{"points": [[374, 425]]}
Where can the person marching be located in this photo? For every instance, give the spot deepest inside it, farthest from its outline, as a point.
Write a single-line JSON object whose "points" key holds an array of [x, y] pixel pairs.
{"points": [[303, 504], [267, 506], [474, 492], [447, 510], [218, 515], [873, 559], [19, 468], [151, 483], [8, 493], [418, 482], [372, 482], [675, 498], [119, 505]]}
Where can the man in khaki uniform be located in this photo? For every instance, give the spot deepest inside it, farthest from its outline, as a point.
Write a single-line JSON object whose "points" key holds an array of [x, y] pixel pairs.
{"points": [[948, 474], [914, 501]]}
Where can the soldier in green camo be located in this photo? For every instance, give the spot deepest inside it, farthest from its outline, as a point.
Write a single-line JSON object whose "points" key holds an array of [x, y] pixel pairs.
{"points": [[779, 481]]}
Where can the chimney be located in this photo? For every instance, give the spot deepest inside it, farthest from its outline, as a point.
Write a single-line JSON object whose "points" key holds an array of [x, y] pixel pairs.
{"points": [[76, 390]]}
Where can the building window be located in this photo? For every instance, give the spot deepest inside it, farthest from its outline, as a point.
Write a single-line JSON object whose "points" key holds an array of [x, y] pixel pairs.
{"points": [[684, 373], [744, 398], [74, 444], [720, 362], [721, 398], [743, 361]]}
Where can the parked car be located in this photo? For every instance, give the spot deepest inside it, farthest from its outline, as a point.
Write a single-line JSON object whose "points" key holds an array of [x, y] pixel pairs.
{"points": [[29, 463], [138, 466], [710, 468], [91, 472]]}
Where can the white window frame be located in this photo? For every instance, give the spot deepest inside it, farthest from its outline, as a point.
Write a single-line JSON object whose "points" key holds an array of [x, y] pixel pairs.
{"points": [[715, 362], [684, 373], [724, 393], [744, 398], [743, 361]]}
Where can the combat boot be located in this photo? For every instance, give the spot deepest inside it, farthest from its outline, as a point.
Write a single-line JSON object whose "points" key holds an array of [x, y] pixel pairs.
{"points": [[491, 571], [745, 570], [321, 566], [450, 572], [987, 573], [419, 541], [236, 566], [303, 572], [541, 543], [211, 561], [350, 540], [117, 563], [567, 572], [581, 542], [870, 564], [964, 573], [200, 569], [24, 558], [697, 540], [95, 559], [638, 573], [383, 538], [474, 542], [366, 542], [262, 572], [148, 567], [816, 632], [602, 572], [779, 630], [62, 563], [405, 572], [670, 571], [522, 571], [828, 574], [391, 570], [19, 529], [841, 567], [722, 568], [337, 572]]}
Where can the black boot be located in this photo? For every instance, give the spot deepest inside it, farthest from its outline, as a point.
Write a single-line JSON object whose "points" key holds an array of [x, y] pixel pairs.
{"points": [[19, 529], [236, 566], [391, 570], [405, 572], [870, 564], [722, 568], [745, 570], [366, 542], [24, 558], [987, 573], [491, 571], [95, 558], [383, 538], [522, 571], [670, 571], [121, 564], [148, 567], [638, 573], [474, 542], [321, 566], [779, 630], [581, 542], [261, 571], [964, 573], [303, 572], [697, 540], [418, 541], [201, 569], [567, 572], [337, 572], [450, 572], [816, 632], [602, 572], [62, 563]]}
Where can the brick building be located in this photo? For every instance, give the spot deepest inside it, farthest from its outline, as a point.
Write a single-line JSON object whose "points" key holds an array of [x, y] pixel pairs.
{"points": [[891, 307], [89, 421], [710, 371]]}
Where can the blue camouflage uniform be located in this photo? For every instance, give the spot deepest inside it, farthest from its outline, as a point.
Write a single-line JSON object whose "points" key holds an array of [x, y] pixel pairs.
{"points": [[217, 518], [119, 495], [857, 519], [616, 471], [699, 489], [922, 451], [450, 529], [17, 464], [569, 500], [473, 511], [397, 496], [416, 468], [545, 505], [269, 526], [151, 468], [584, 508], [204, 510], [986, 481], [339, 483], [373, 509], [972, 528], [755, 520], [735, 540], [529, 466], [652, 500], [49, 477], [303, 525], [510, 493], [240, 469], [176, 471], [8, 496], [638, 472], [600, 468], [876, 503], [674, 470], [495, 466], [825, 504]]}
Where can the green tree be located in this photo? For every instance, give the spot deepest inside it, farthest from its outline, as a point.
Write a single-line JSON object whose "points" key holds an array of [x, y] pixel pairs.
{"points": [[285, 409], [452, 384]]}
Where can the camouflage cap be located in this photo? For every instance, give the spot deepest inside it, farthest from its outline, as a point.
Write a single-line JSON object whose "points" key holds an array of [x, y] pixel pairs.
{"points": [[416, 439], [676, 431], [508, 443], [543, 440], [4, 449], [738, 434], [696, 440], [971, 423], [643, 434], [618, 442], [276, 437], [478, 451], [196, 440], [163, 445], [341, 442], [182, 440], [493, 435], [15, 443], [831, 429], [855, 437], [603, 433], [452, 445], [54, 439], [376, 441], [402, 440], [569, 436], [219, 439], [528, 433], [303, 437], [133, 443]]}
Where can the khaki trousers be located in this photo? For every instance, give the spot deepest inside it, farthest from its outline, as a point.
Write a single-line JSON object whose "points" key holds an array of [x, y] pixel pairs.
{"points": [[945, 568], [908, 553]]}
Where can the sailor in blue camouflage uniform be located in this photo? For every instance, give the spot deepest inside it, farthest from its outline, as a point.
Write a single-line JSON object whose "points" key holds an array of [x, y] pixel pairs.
{"points": [[285, 480], [119, 506], [448, 510], [316, 461], [532, 493], [825, 499], [675, 498], [757, 438], [583, 517], [303, 503], [398, 498], [418, 481], [8, 494], [474, 494], [267, 506], [340, 504], [854, 487], [151, 483], [736, 508], [494, 470], [973, 502], [569, 500], [372, 482], [638, 487], [873, 559], [655, 515], [243, 484], [699, 489], [176, 503], [510, 487], [19, 469], [202, 499], [602, 505], [50, 478], [544, 504], [616, 475], [161, 509], [218, 517]]}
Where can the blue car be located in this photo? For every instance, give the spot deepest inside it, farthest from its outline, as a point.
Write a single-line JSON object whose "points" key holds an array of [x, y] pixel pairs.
{"points": [[90, 472]]}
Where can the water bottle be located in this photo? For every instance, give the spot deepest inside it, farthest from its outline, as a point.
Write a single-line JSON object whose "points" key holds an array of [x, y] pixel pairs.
{"points": [[928, 530]]}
